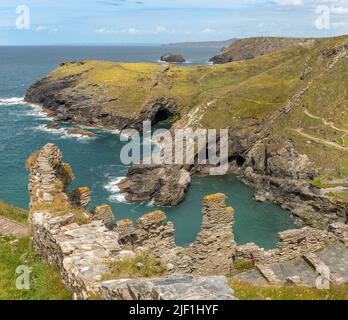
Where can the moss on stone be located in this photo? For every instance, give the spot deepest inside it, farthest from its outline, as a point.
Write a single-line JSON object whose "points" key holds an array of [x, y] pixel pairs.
{"points": [[32, 159], [155, 216], [215, 197]]}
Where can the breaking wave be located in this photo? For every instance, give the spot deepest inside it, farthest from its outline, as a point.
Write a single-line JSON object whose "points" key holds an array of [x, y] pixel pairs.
{"points": [[112, 187], [11, 101]]}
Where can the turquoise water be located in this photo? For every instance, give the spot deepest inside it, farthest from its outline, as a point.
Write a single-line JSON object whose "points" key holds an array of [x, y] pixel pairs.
{"points": [[96, 162]]}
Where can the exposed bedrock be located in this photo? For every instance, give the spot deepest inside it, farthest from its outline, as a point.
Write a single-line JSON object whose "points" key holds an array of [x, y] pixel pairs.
{"points": [[282, 176]]}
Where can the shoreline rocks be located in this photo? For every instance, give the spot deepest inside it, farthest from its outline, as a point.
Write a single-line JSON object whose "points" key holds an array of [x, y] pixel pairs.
{"points": [[52, 126]]}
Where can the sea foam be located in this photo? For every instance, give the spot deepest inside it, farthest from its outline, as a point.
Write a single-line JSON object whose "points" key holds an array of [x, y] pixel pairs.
{"points": [[11, 101], [112, 187]]}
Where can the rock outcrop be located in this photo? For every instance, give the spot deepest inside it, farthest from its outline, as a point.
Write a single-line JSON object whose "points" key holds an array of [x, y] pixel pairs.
{"points": [[173, 58], [165, 185], [174, 287]]}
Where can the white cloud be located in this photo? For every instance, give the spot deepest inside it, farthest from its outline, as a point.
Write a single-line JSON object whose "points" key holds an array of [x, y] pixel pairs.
{"points": [[46, 29], [41, 28], [133, 31], [208, 30]]}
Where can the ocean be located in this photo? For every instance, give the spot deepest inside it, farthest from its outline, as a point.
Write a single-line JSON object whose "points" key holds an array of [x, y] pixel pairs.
{"points": [[96, 162]]}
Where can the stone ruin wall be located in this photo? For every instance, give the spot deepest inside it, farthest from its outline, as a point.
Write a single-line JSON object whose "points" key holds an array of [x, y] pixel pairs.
{"points": [[81, 244]]}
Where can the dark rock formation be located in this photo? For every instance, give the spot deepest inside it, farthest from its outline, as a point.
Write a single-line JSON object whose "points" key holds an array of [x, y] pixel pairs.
{"points": [[166, 185], [52, 126], [173, 58]]}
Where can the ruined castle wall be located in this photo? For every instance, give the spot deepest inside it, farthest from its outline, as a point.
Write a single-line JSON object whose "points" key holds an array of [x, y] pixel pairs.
{"points": [[78, 251], [214, 248], [292, 244]]}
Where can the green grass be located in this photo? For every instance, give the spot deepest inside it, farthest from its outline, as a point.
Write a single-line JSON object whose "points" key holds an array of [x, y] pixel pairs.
{"points": [[45, 281], [242, 265], [254, 292], [13, 213], [143, 265]]}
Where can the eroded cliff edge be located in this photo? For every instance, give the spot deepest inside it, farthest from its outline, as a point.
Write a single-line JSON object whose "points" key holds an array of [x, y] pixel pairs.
{"points": [[286, 113]]}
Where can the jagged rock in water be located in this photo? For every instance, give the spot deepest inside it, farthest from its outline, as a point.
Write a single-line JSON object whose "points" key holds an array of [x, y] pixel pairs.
{"points": [[175, 287], [173, 58], [52, 126], [166, 185]]}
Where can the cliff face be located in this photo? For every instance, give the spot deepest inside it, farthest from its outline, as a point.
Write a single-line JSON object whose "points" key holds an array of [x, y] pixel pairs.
{"points": [[285, 111]]}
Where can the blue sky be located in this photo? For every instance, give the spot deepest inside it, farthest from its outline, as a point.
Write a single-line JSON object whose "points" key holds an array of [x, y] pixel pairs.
{"points": [[162, 21]]}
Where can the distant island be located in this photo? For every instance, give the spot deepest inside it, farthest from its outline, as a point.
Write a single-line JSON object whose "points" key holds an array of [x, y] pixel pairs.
{"points": [[173, 58]]}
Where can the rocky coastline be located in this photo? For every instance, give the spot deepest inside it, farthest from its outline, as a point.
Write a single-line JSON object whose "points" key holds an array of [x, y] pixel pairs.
{"points": [[275, 164], [287, 187]]}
